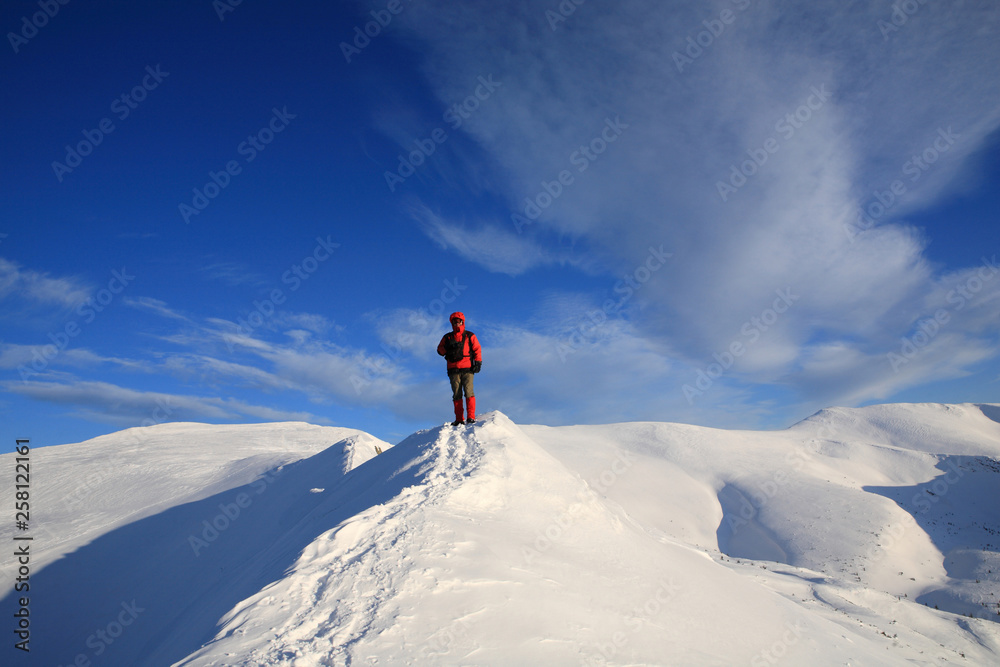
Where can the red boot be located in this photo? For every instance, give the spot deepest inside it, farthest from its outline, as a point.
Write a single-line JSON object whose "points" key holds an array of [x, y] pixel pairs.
{"points": [[470, 407], [459, 419]]}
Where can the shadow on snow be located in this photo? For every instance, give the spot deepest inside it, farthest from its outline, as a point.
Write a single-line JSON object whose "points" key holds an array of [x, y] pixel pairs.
{"points": [[958, 511], [153, 592]]}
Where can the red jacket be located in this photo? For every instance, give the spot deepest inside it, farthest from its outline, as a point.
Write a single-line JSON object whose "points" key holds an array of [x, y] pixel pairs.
{"points": [[470, 348]]}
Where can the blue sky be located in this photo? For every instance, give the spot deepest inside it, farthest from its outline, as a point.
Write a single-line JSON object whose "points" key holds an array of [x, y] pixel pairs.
{"points": [[726, 213]]}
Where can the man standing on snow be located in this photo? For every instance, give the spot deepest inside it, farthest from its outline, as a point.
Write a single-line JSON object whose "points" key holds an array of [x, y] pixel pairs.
{"points": [[461, 348]]}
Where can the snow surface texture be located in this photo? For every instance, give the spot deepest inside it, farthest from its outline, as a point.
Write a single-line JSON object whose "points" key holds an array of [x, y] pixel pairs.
{"points": [[863, 536]]}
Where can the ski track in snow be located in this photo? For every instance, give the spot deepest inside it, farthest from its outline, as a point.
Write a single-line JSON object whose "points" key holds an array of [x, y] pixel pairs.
{"points": [[352, 572]]}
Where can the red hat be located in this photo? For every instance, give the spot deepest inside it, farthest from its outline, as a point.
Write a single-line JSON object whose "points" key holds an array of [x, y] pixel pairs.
{"points": [[456, 315]]}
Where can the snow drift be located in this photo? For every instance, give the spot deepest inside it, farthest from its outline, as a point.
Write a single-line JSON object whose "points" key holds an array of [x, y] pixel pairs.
{"points": [[863, 536]]}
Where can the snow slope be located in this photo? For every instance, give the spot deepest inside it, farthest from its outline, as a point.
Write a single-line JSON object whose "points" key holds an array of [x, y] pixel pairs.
{"points": [[828, 543], [116, 522]]}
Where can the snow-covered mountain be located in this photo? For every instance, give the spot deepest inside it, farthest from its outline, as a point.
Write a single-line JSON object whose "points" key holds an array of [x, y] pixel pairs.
{"points": [[863, 536]]}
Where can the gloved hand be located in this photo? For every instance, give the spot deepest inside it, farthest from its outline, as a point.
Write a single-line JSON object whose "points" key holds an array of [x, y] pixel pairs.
{"points": [[476, 366]]}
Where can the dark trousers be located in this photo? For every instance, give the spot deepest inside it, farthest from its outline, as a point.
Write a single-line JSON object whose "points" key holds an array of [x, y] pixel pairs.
{"points": [[459, 382]]}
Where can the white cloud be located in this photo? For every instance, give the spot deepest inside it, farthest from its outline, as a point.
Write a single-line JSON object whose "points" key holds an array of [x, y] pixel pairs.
{"points": [[841, 112], [408, 331], [110, 403], [36, 360], [39, 289], [233, 274], [300, 362], [155, 306], [492, 247], [311, 322]]}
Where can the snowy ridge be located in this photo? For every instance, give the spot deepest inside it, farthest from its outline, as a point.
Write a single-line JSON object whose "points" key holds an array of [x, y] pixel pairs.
{"points": [[350, 572], [159, 519], [828, 543]]}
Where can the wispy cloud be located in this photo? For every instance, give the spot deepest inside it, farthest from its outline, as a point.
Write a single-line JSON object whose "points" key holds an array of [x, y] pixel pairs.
{"points": [[774, 156], [14, 356], [35, 289], [233, 274], [278, 358], [495, 248], [751, 162], [155, 306], [109, 403]]}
